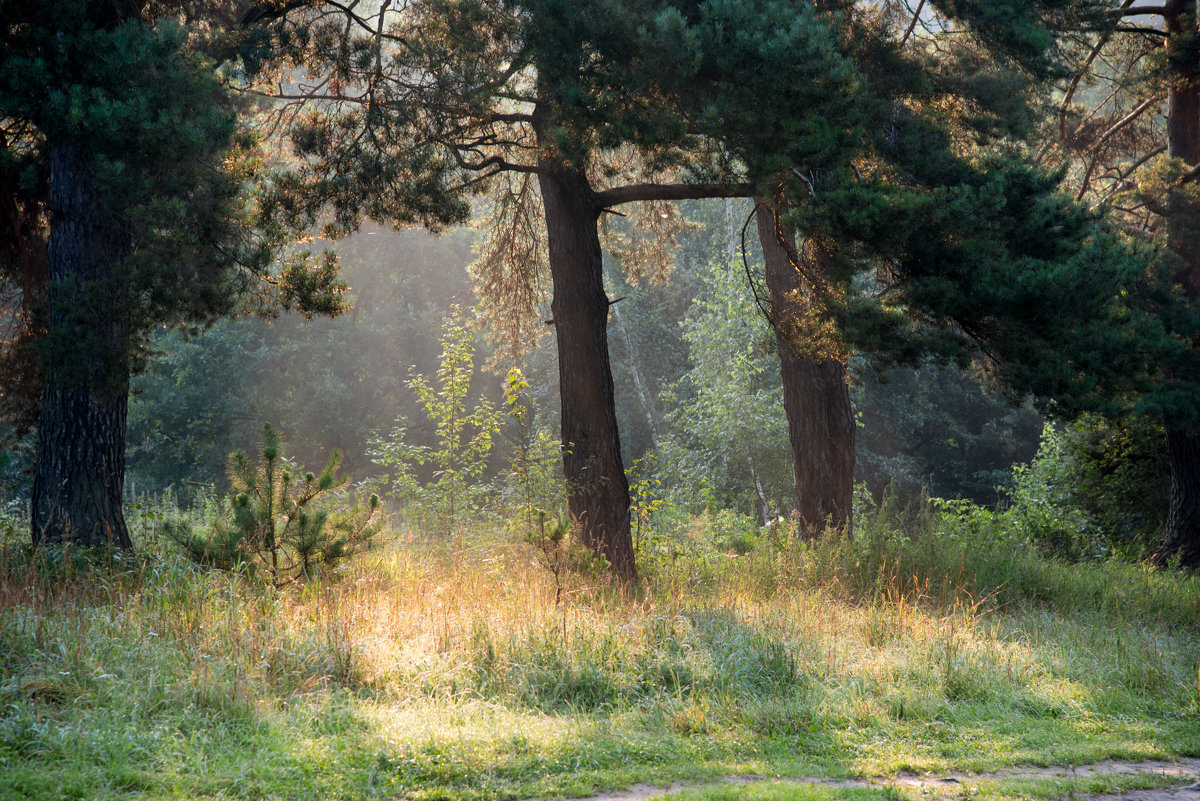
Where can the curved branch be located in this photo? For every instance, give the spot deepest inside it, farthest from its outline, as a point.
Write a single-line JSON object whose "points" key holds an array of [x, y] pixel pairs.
{"points": [[917, 18], [636, 192], [1129, 10], [495, 163], [1069, 97], [763, 305]]}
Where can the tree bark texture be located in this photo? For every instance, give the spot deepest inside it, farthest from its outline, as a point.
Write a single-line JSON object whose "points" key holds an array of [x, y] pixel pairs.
{"points": [[816, 397], [79, 474], [1182, 538], [596, 482]]}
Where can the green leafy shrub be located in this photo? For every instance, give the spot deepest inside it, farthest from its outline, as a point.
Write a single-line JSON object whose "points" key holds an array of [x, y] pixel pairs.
{"points": [[534, 486], [645, 500], [550, 543], [727, 419], [1096, 488], [464, 438]]}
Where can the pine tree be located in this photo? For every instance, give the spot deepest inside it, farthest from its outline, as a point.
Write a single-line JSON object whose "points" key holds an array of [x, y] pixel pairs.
{"points": [[127, 171], [932, 133], [813, 369], [1128, 123], [279, 518], [540, 100]]}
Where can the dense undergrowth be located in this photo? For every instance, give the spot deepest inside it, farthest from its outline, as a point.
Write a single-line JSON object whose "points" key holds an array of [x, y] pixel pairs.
{"points": [[933, 639]]}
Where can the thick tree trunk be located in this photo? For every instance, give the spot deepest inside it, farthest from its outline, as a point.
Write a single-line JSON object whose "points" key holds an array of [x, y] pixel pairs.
{"points": [[816, 397], [80, 466], [1182, 539], [597, 486]]}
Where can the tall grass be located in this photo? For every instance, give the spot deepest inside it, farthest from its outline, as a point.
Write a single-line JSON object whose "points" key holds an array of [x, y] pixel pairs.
{"points": [[931, 639]]}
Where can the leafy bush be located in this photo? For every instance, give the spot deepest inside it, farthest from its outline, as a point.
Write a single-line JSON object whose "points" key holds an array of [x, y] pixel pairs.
{"points": [[464, 438], [534, 486], [727, 419], [1096, 488]]}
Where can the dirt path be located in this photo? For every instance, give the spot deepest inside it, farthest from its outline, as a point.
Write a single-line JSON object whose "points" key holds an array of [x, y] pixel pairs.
{"points": [[952, 785]]}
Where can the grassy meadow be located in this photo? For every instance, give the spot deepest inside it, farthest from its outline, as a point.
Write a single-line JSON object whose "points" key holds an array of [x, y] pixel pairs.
{"points": [[933, 641]]}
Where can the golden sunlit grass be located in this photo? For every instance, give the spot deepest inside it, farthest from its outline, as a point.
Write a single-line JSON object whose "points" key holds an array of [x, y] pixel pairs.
{"points": [[428, 671]]}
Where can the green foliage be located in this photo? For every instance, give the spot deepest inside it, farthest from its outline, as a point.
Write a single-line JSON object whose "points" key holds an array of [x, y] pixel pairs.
{"points": [[935, 430], [551, 543], [771, 81], [274, 519], [1126, 154], [645, 499], [194, 404], [139, 101], [1003, 254], [14, 521], [1023, 32], [1096, 489], [535, 486], [463, 438], [728, 408]]}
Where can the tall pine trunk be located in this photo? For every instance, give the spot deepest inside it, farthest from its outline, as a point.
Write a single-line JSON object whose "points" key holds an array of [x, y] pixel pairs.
{"points": [[79, 474], [1182, 539], [816, 397], [598, 489]]}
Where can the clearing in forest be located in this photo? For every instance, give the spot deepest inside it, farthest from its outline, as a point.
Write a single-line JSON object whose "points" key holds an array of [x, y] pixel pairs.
{"points": [[932, 657]]}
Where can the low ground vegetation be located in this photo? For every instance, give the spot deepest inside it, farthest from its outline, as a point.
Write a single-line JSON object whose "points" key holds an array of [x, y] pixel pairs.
{"points": [[937, 638]]}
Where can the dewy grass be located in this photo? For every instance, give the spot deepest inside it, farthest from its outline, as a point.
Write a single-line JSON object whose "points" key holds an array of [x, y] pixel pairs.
{"points": [[1048, 788], [426, 673]]}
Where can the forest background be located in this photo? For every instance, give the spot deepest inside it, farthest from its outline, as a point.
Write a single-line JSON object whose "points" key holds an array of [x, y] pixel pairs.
{"points": [[275, 632]]}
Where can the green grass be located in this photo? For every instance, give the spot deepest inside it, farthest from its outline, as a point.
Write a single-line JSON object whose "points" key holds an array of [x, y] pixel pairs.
{"points": [[1041, 789], [934, 644]]}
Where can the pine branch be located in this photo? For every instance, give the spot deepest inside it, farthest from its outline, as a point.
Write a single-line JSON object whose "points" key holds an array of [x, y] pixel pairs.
{"points": [[1087, 65], [1127, 9], [1124, 122], [917, 18], [633, 193]]}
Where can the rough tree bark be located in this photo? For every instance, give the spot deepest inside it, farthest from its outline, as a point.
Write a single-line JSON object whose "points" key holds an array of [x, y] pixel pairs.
{"points": [[816, 397], [598, 490], [79, 474], [597, 486], [1182, 539]]}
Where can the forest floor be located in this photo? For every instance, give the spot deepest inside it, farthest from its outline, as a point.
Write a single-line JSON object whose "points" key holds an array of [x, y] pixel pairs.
{"points": [[1180, 781], [928, 658]]}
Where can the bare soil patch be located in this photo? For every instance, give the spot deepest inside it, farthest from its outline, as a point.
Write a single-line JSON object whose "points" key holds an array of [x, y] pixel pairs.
{"points": [[957, 784]]}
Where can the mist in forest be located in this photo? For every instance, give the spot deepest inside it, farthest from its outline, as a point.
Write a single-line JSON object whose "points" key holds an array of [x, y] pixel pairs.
{"points": [[342, 382], [325, 383]]}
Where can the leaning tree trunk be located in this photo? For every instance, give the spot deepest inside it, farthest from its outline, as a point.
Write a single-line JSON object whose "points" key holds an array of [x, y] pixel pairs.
{"points": [[80, 464], [596, 483], [1182, 539], [816, 397]]}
